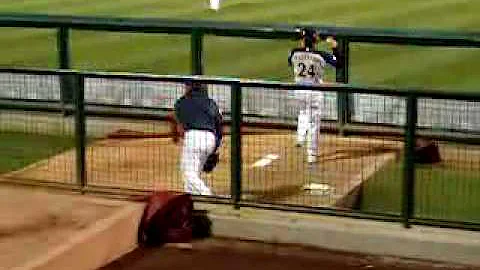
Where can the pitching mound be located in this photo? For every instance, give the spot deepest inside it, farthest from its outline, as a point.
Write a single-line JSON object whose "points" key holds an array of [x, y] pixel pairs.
{"points": [[274, 170]]}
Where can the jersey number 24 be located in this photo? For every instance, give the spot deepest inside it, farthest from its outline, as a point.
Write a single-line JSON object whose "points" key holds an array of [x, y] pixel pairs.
{"points": [[304, 71]]}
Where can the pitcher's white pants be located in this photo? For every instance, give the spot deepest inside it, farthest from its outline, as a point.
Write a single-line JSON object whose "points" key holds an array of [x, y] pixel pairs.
{"points": [[197, 145], [309, 119]]}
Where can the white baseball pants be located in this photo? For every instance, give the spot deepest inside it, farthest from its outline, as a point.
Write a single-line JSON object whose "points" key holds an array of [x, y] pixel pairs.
{"points": [[197, 145], [309, 119]]}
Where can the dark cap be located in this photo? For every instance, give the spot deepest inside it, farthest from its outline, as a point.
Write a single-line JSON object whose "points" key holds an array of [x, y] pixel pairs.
{"points": [[309, 36], [194, 86]]}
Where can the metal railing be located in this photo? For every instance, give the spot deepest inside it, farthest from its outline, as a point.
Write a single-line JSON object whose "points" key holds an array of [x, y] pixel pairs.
{"points": [[97, 163]]}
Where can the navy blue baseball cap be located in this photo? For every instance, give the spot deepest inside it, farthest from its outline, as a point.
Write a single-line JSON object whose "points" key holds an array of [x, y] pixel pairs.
{"points": [[309, 36]]}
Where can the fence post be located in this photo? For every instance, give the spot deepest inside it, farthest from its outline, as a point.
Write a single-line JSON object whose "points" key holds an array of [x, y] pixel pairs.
{"points": [[197, 52], [80, 138], [64, 62], [236, 145], [408, 198], [343, 98]]}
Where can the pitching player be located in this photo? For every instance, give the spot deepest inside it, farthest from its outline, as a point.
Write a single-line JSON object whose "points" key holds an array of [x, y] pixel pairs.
{"points": [[308, 66], [200, 120]]}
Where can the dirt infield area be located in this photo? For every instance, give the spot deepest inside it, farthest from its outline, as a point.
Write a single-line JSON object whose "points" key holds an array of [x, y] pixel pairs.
{"points": [[274, 169], [233, 255]]}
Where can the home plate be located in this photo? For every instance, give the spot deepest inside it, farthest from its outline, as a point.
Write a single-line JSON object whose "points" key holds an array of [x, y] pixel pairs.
{"points": [[318, 189]]}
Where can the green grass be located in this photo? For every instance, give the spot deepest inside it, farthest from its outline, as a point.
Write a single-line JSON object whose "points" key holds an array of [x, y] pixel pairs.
{"points": [[444, 193], [18, 150], [164, 54]]}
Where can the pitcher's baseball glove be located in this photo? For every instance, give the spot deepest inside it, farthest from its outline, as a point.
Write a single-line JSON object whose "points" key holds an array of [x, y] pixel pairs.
{"points": [[211, 162]]}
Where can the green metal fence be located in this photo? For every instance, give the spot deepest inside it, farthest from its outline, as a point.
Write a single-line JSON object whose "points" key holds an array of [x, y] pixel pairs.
{"points": [[372, 173]]}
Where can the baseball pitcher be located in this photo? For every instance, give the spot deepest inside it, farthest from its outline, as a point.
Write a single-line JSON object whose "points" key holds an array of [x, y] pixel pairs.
{"points": [[199, 119], [308, 66]]}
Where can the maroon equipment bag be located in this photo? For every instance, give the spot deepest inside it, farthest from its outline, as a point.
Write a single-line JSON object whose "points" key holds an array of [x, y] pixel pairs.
{"points": [[427, 152], [167, 218]]}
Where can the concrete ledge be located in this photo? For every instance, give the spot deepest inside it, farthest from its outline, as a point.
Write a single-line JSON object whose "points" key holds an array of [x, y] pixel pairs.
{"points": [[100, 244], [112, 237], [344, 234]]}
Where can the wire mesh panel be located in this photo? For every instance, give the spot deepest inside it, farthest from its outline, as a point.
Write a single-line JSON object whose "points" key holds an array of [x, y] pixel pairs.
{"points": [[446, 173], [449, 114], [141, 157], [29, 86], [280, 106], [148, 94], [449, 189], [381, 190], [284, 166], [137, 153], [126, 152], [379, 109], [437, 114], [35, 145]]}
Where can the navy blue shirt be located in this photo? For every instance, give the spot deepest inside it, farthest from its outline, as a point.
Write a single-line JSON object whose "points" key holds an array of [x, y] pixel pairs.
{"points": [[199, 112]]}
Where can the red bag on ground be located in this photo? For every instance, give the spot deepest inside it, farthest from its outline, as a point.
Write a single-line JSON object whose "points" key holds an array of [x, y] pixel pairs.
{"points": [[167, 218], [427, 152]]}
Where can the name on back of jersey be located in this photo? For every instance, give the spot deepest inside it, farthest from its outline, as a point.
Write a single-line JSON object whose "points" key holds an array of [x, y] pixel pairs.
{"points": [[307, 56]]}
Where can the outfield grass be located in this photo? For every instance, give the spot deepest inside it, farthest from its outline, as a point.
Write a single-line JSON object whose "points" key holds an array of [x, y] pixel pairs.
{"points": [[439, 192], [162, 54], [18, 150]]}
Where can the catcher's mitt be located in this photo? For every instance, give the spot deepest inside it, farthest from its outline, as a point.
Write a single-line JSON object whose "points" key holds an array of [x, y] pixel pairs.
{"points": [[211, 162]]}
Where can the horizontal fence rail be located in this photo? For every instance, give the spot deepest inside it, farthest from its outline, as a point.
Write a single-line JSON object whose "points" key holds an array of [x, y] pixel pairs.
{"points": [[282, 86], [271, 31], [439, 111]]}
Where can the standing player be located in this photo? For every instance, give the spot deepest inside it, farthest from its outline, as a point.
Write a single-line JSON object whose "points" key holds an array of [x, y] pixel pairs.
{"points": [[308, 66], [198, 118]]}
